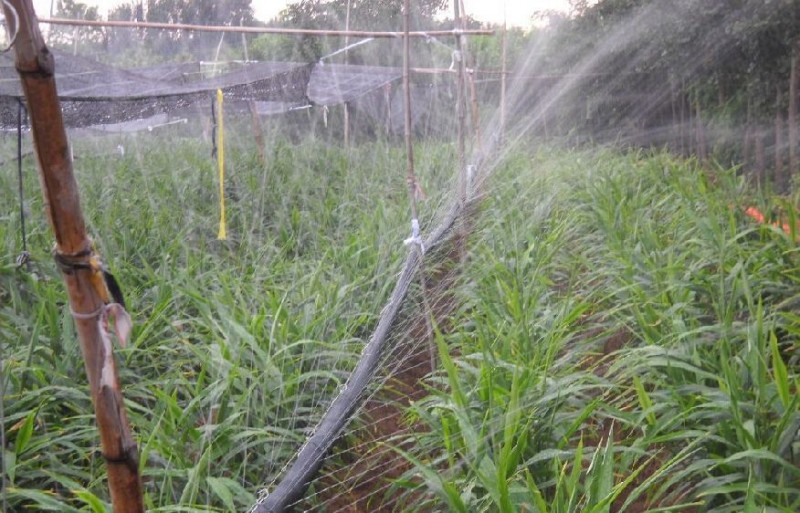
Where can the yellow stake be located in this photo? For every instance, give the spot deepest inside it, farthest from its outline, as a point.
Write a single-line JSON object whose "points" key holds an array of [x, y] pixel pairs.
{"points": [[221, 164]]}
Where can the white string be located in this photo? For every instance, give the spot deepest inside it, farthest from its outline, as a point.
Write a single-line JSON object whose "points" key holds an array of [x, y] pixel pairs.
{"points": [[346, 48], [87, 316], [150, 128]]}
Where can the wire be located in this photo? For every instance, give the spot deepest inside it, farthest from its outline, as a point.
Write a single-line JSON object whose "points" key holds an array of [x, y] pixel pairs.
{"points": [[15, 14], [2, 428], [213, 126], [24, 258]]}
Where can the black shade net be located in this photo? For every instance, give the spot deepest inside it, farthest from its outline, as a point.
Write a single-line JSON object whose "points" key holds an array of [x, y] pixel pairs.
{"points": [[93, 93]]}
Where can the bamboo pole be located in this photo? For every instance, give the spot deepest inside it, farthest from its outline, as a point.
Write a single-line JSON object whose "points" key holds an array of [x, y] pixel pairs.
{"points": [[414, 188], [461, 108], [410, 175], [258, 133], [88, 295], [345, 105], [473, 95], [699, 129], [260, 30], [779, 179], [794, 75], [503, 80], [760, 159], [461, 118]]}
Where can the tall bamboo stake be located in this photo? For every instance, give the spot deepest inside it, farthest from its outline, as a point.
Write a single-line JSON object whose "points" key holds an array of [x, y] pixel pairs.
{"points": [[473, 94], [414, 188], [88, 295], [794, 77], [410, 175], [503, 78], [779, 179], [345, 105], [461, 119], [461, 108]]}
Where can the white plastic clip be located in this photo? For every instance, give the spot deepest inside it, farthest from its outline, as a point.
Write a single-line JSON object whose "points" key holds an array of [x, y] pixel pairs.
{"points": [[415, 237]]}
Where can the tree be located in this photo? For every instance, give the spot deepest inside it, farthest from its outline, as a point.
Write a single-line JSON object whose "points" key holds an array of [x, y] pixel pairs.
{"points": [[363, 15], [724, 62], [197, 12], [73, 37]]}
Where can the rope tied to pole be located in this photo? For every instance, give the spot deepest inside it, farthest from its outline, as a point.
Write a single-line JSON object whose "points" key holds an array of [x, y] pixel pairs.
{"points": [[106, 287]]}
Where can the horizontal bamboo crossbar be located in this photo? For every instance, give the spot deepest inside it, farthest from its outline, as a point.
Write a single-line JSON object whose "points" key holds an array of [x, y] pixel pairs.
{"points": [[260, 30]]}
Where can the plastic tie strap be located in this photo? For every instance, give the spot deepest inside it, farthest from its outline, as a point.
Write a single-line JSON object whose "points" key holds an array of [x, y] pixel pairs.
{"points": [[107, 311], [415, 236]]}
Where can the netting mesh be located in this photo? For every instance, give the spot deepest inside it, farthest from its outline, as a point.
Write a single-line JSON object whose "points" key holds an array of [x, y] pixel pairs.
{"points": [[103, 97], [93, 93]]}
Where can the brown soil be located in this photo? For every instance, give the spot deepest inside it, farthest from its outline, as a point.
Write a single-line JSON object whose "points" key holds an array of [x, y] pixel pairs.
{"points": [[596, 433]]}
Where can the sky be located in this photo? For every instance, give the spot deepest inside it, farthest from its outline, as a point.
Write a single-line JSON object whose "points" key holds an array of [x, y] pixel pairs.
{"points": [[517, 12]]}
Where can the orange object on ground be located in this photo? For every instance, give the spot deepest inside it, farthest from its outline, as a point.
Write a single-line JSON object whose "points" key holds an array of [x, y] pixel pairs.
{"points": [[755, 214], [759, 217]]}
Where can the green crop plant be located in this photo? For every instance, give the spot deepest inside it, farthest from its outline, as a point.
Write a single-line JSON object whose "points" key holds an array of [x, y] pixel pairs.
{"points": [[625, 343], [623, 337]]}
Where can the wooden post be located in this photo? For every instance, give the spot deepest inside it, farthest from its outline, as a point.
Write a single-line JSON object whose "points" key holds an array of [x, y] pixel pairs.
{"points": [[780, 183], [469, 78], [461, 118], [792, 114], [258, 132], [346, 106], [410, 174], [244, 44], [461, 108], [700, 132], [503, 70], [685, 148], [760, 158], [674, 137], [387, 96], [87, 291], [747, 136]]}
